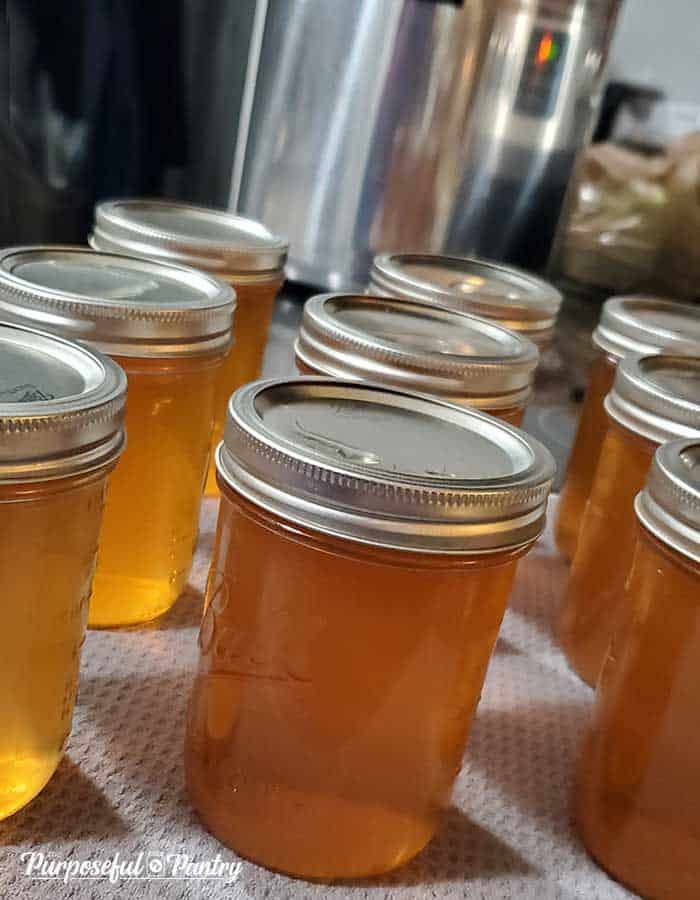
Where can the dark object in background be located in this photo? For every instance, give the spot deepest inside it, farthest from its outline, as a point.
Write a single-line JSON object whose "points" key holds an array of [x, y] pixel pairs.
{"points": [[133, 95], [112, 98], [619, 94], [95, 108]]}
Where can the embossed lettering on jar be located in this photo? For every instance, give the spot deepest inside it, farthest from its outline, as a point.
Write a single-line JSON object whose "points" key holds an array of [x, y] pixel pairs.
{"points": [[654, 399], [419, 347], [637, 797], [366, 545], [61, 432], [628, 326], [169, 327], [504, 294], [238, 250]]}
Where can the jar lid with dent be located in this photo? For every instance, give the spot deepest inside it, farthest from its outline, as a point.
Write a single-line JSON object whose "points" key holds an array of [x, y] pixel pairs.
{"points": [[669, 505], [643, 325], [513, 298], [657, 397], [220, 242], [121, 305], [385, 467], [61, 406], [417, 347]]}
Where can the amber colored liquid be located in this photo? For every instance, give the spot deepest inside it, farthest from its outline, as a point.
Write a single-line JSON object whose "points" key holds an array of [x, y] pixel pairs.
{"points": [[254, 306], [512, 414], [152, 512], [592, 426], [48, 542], [335, 692], [638, 800], [593, 601]]}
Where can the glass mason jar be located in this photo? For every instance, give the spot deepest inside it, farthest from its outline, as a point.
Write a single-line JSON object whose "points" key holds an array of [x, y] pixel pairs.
{"points": [[418, 347], [366, 545], [628, 326], [654, 399], [637, 792], [509, 296], [61, 432], [240, 251], [170, 329]]}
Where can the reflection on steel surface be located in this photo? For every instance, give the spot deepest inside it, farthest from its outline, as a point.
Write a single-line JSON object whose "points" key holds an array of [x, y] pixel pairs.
{"points": [[413, 124]]}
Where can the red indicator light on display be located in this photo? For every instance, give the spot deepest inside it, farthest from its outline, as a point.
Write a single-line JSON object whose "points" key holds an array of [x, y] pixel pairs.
{"points": [[547, 49]]}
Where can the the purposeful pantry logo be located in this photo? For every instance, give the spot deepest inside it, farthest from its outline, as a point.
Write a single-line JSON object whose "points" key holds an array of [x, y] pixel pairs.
{"points": [[146, 865]]}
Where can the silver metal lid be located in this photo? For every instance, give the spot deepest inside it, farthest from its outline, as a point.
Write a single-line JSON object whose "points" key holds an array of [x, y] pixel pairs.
{"points": [[61, 406], [644, 325], [385, 467], [657, 397], [669, 505], [417, 347], [224, 244], [514, 298], [120, 305]]}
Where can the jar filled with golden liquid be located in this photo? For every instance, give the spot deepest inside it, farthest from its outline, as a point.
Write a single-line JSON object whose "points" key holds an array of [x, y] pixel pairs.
{"points": [[509, 296], [418, 347], [638, 796], [240, 251], [366, 546], [628, 326], [169, 328], [654, 399], [61, 433]]}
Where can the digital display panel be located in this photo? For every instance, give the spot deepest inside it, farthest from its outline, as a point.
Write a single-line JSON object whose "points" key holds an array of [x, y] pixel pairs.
{"points": [[541, 75]]}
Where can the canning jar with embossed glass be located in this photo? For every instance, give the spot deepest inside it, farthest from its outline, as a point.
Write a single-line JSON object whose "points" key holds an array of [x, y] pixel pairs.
{"points": [[491, 290], [654, 399], [628, 326], [61, 433], [240, 251], [418, 347], [365, 549], [638, 800], [169, 327]]}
